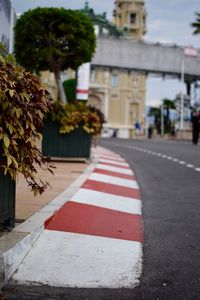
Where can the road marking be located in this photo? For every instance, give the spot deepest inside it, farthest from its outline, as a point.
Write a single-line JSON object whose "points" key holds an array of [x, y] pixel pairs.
{"points": [[65, 259], [114, 202], [96, 221], [111, 189], [113, 180], [181, 162], [117, 163], [115, 169], [116, 174]]}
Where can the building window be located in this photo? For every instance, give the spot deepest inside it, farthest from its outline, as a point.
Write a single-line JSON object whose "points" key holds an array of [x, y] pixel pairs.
{"points": [[115, 80], [135, 82], [132, 18], [93, 75]]}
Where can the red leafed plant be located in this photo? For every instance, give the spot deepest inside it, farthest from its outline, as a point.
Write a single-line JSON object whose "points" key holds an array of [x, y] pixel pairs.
{"points": [[23, 104]]}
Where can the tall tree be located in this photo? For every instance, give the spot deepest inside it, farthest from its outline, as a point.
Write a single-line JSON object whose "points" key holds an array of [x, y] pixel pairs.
{"points": [[168, 105], [196, 24], [54, 39]]}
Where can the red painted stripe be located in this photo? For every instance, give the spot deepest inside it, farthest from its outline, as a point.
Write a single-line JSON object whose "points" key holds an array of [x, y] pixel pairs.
{"points": [[115, 174], [93, 220], [111, 189], [113, 165], [82, 91]]}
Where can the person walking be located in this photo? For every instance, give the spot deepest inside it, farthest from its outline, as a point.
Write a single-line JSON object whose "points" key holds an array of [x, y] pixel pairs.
{"points": [[195, 120]]}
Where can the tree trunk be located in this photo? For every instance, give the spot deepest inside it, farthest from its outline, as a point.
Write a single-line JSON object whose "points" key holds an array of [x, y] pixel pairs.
{"points": [[61, 92]]}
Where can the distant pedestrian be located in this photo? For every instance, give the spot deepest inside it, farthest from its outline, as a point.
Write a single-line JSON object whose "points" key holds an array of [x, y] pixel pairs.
{"points": [[114, 133], [173, 131], [195, 120], [150, 132], [137, 128]]}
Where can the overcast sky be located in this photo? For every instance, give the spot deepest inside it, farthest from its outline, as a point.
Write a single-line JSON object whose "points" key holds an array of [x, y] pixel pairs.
{"points": [[168, 21]]}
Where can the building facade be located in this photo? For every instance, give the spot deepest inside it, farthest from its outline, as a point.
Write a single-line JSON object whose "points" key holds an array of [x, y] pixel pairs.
{"points": [[120, 94]]}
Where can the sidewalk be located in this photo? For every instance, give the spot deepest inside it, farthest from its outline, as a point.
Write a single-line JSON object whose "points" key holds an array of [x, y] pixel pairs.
{"points": [[90, 235]]}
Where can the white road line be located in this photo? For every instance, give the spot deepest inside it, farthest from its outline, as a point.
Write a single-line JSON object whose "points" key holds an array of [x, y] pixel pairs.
{"points": [[197, 169], [190, 166], [114, 180], [114, 169], [182, 162], [118, 203]]}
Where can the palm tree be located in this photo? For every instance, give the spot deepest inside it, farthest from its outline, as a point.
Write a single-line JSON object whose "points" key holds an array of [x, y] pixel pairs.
{"points": [[196, 24], [167, 105]]}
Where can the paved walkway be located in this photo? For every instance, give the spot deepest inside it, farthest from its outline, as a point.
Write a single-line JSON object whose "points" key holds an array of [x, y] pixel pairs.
{"points": [[64, 175], [90, 237]]}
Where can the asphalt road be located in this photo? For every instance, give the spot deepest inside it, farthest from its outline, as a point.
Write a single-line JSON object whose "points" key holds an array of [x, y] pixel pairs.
{"points": [[169, 177]]}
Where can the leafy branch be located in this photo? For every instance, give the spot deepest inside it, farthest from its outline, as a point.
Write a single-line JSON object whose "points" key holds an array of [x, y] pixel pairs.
{"points": [[23, 104]]}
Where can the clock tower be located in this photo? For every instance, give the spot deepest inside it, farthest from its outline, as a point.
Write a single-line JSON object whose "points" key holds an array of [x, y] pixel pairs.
{"points": [[130, 15]]}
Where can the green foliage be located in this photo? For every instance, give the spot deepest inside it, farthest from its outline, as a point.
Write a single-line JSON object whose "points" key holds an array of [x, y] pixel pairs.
{"points": [[73, 115], [23, 104], [70, 89], [156, 112], [53, 39], [196, 24]]}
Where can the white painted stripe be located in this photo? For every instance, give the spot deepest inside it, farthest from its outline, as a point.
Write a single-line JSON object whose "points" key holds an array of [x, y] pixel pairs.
{"points": [[181, 162], [119, 163], [113, 157], [114, 180], [169, 157], [114, 169], [77, 260], [175, 159], [190, 166], [119, 203], [197, 169]]}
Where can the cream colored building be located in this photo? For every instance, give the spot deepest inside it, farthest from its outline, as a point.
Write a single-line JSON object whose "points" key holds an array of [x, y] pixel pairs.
{"points": [[120, 94]]}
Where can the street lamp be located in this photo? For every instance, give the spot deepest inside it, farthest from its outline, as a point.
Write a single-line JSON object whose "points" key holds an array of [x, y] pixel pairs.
{"points": [[182, 94]]}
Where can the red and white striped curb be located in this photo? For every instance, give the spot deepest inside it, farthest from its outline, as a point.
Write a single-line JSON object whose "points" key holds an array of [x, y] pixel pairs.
{"points": [[95, 239]]}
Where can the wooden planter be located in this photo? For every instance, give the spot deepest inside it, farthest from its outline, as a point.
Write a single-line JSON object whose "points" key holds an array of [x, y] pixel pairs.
{"points": [[7, 201], [75, 144]]}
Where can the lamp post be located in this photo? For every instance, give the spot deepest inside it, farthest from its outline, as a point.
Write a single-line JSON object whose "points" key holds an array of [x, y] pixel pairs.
{"points": [[162, 119], [182, 94]]}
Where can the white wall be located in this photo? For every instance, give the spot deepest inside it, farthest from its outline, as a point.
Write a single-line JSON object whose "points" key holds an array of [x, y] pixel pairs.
{"points": [[7, 18]]}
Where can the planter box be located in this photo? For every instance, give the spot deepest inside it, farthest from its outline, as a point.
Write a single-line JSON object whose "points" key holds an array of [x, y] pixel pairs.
{"points": [[76, 144], [7, 201]]}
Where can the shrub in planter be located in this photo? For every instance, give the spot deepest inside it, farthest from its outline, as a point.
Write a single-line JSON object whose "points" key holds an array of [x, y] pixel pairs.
{"points": [[76, 123], [23, 104], [70, 89]]}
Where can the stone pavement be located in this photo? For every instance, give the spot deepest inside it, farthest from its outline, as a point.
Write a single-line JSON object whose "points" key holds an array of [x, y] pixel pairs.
{"points": [[65, 174]]}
